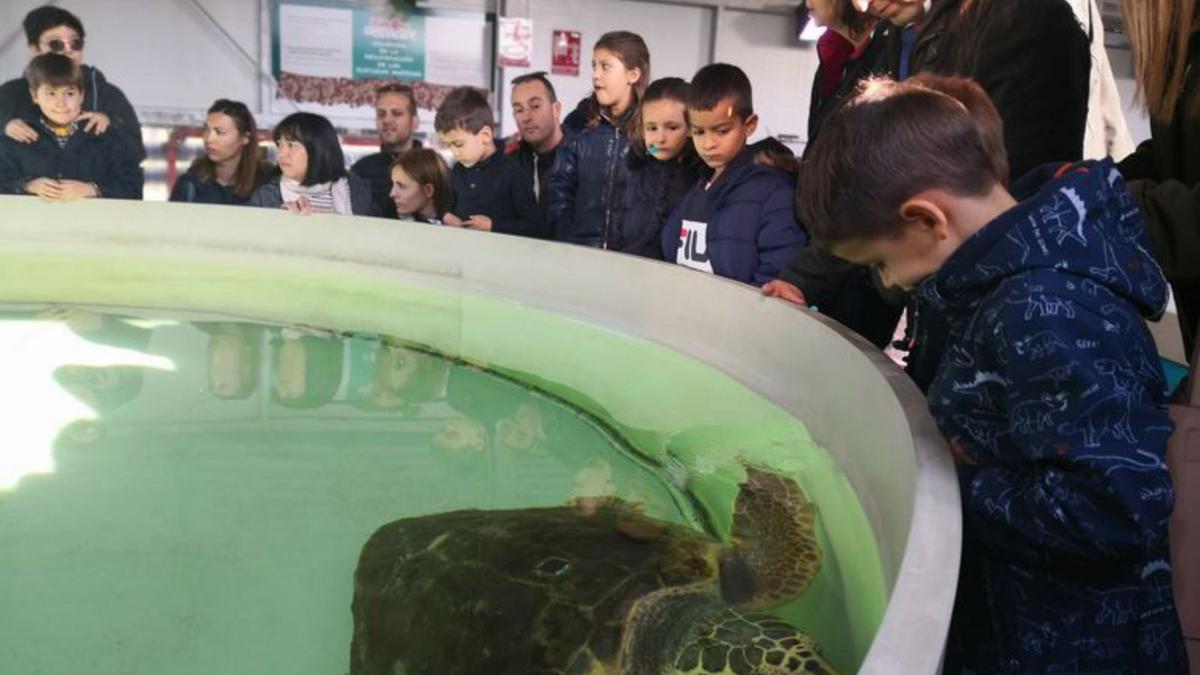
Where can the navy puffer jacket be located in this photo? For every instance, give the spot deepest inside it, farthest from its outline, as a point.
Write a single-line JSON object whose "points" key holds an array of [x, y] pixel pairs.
{"points": [[587, 185], [652, 191]]}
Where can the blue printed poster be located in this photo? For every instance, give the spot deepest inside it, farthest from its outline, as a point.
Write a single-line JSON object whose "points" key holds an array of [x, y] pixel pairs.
{"points": [[389, 47]]}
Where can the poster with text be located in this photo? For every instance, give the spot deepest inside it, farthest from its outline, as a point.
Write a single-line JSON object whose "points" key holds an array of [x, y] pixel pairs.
{"points": [[565, 52], [328, 56]]}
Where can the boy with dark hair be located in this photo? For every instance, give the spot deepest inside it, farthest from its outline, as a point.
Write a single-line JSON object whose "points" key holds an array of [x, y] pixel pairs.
{"points": [[738, 221], [1050, 394], [65, 163], [490, 191], [396, 120], [53, 30]]}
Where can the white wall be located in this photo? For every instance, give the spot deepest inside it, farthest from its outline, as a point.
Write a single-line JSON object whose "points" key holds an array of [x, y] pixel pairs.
{"points": [[1135, 115], [678, 36], [163, 54], [780, 68]]}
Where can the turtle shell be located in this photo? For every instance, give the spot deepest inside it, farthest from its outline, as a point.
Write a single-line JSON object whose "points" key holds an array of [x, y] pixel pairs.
{"points": [[529, 591]]}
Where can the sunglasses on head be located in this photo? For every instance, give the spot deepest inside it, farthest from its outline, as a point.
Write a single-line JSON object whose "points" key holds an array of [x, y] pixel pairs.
{"points": [[59, 46]]}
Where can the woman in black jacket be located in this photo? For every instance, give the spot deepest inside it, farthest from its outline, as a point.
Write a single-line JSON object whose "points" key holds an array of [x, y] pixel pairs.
{"points": [[855, 46], [232, 166], [588, 183], [1164, 173]]}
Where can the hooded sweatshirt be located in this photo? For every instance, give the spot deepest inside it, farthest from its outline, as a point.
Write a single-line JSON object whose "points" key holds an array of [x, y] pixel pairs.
{"points": [[742, 227], [1052, 398]]}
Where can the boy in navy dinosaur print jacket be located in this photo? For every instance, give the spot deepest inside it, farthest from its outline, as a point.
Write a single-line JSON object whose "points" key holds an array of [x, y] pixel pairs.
{"points": [[1049, 391]]}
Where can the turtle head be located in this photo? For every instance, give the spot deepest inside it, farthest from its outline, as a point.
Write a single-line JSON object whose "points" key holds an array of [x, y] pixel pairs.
{"points": [[691, 630], [775, 554]]}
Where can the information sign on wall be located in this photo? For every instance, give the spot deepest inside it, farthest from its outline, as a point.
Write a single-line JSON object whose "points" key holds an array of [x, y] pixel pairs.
{"points": [[328, 56], [565, 52]]}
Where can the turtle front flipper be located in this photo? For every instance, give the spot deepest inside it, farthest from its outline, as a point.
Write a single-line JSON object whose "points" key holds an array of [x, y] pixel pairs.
{"points": [[775, 555], [692, 631]]}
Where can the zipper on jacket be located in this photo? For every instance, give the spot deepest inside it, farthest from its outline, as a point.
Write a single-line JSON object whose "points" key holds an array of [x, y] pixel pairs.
{"points": [[608, 191]]}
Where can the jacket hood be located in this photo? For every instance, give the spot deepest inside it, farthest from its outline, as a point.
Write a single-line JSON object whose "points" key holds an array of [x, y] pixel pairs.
{"points": [[743, 169], [1075, 219]]}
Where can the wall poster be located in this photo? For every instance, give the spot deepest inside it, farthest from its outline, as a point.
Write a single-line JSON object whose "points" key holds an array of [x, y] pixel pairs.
{"points": [[328, 56]]}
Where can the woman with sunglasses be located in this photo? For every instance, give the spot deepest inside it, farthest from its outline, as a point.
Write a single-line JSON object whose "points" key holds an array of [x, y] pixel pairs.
{"points": [[51, 29]]}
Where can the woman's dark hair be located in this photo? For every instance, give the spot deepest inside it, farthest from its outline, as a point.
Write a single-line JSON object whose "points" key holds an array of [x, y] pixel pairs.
{"points": [[426, 167], [855, 21], [664, 89], [631, 49], [251, 169], [326, 162], [42, 19]]}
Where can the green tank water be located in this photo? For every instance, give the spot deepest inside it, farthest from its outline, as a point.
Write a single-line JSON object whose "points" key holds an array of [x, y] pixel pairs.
{"points": [[189, 494]]}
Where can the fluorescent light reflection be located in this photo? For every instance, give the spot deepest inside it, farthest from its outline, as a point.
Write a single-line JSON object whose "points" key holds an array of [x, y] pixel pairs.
{"points": [[35, 406]]}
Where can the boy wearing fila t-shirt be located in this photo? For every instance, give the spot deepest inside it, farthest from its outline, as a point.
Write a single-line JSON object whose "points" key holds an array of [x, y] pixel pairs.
{"points": [[738, 222]]}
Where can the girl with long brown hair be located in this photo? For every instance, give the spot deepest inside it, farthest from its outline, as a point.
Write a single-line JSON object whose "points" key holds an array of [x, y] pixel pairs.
{"points": [[588, 183], [1164, 173]]}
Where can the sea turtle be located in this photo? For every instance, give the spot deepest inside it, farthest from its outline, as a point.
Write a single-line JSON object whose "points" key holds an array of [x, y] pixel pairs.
{"points": [[593, 588]]}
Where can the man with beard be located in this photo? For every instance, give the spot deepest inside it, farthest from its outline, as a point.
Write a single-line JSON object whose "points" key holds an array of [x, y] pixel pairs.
{"points": [[396, 120]]}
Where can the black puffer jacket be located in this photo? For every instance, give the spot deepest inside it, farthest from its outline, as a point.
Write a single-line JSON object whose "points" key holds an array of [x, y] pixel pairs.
{"points": [[1030, 56], [588, 183], [652, 191]]}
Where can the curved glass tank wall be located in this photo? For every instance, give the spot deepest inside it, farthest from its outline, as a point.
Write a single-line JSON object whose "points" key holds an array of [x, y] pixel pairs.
{"points": [[210, 410]]}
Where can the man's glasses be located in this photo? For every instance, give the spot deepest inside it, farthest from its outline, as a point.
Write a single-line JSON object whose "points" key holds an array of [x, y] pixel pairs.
{"points": [[59, 46]]}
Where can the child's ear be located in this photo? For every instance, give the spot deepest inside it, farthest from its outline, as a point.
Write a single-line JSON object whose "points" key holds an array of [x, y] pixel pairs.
{"points": [[487, 134], [927, 215], [633, 75], [751, 124]]}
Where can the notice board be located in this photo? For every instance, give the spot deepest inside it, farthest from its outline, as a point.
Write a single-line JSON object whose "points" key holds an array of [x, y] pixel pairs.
{"points": [[328, 56]]}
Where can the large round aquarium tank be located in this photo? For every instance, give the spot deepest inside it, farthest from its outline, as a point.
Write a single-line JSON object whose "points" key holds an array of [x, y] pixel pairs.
{"points": [[239, 441]]}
